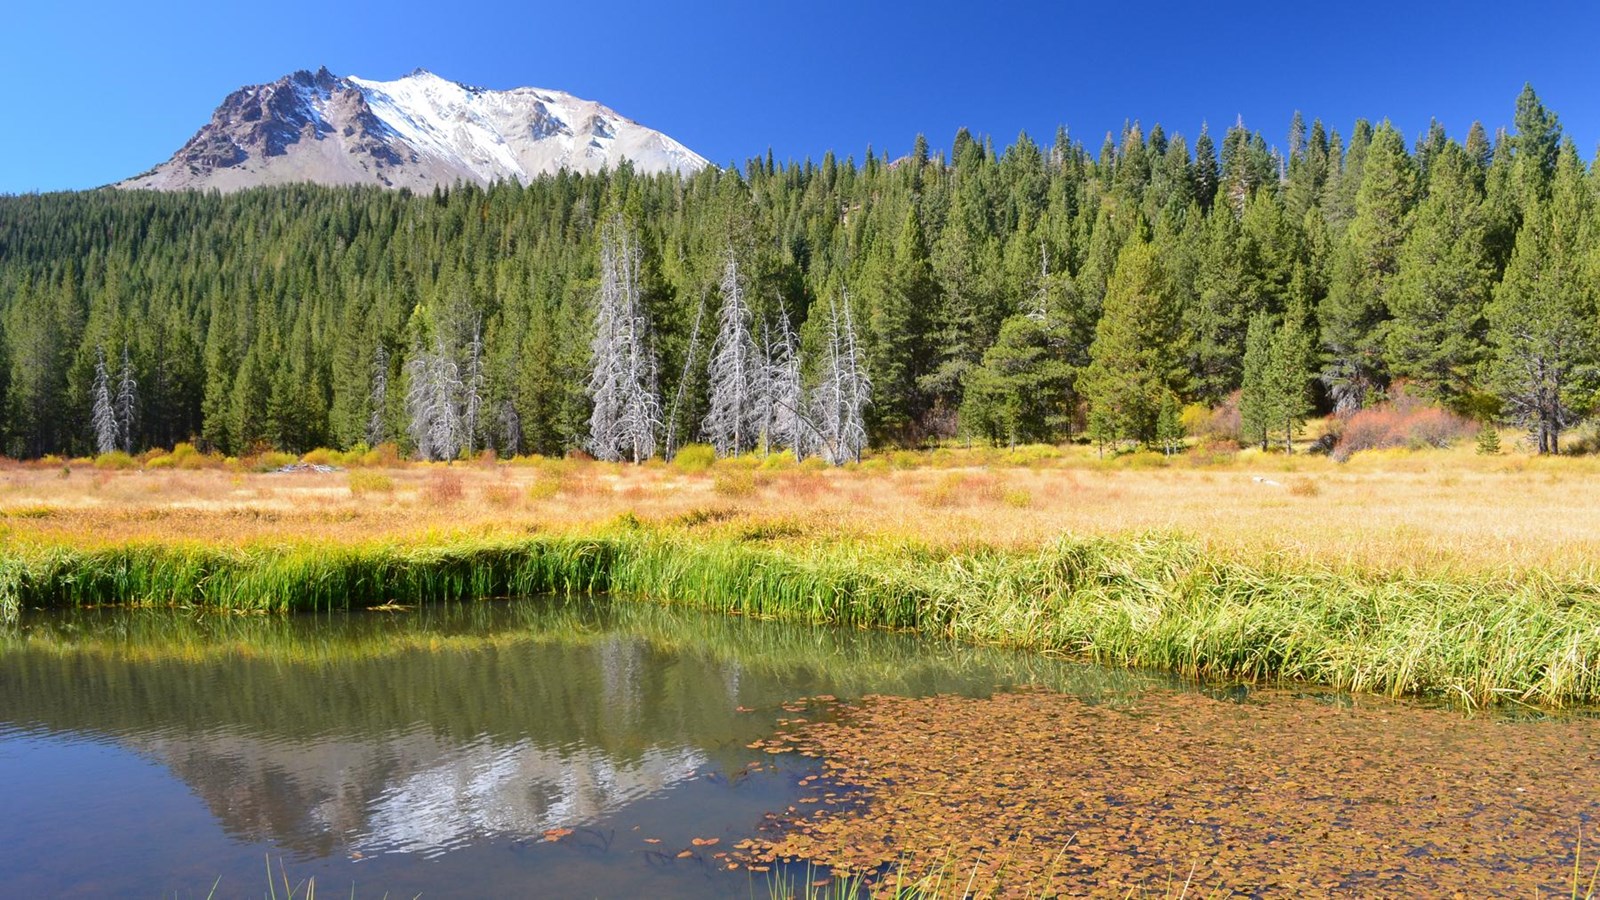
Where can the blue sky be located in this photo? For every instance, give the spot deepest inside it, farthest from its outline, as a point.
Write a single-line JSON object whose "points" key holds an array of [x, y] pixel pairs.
{"points": [[93, 92]]}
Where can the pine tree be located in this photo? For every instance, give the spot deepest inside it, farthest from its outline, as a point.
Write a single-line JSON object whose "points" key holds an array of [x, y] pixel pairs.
{"points": [[898, 321], [1206, 176], [1290, 364], [1537, 146], [1257, 397], [1022, 392], [434, 401], [787, 426], [1442, 284], [1540, 318], [473, 383], [377, 430], [1488, 440], [1356, 310], [1137, 350]]}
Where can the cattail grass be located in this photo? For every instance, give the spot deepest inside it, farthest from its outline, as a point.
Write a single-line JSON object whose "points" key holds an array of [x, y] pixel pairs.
{"points": [[1156, 601]]}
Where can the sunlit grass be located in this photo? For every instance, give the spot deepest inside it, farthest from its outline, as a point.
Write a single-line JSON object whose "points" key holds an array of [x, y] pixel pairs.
{"points": [[1434, 572]]}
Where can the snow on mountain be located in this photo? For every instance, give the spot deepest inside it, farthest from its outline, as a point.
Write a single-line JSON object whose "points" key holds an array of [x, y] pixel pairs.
{"points": [[417, 131]]}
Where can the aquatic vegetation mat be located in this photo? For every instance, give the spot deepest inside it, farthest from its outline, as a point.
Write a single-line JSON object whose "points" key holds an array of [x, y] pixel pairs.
{"points": [[1036, 794]]}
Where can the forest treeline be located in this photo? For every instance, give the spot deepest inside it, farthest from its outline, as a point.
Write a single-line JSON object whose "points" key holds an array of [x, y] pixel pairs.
{"points": [[1030, 294]]}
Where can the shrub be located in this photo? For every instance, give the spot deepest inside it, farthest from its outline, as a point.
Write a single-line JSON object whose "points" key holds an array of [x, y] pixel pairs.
{"points": [[544, 487], [1221, 423], [779, 462], [185, 456], [1145, 459], [370, 483], [116, 459], [385, 455], [1017, 498], [321, 456], [1213, 452], [163, 461], [904, 459], [1403, 422], [270, 460], [694, 457]]}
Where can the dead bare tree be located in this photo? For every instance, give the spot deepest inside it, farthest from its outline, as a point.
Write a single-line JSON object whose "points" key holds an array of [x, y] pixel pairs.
{"points": [[736, 372], [623, 374]]}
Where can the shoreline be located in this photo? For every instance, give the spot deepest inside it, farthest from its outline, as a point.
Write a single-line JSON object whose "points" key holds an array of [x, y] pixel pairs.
{"points": [[1150, 601]]}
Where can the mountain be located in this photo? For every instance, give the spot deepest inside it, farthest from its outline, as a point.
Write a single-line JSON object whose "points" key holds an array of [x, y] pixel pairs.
{"points": [[418, 131]]}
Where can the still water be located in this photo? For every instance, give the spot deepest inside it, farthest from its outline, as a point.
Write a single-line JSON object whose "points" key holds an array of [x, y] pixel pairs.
{"points": [[151, 753]]}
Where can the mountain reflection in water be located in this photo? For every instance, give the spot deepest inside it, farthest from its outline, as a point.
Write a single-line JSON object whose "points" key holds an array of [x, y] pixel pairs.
{"points": [[413, 744]]}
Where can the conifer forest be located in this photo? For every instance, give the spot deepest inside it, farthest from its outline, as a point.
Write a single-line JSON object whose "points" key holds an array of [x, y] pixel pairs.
{"points": [[1035, 292]]}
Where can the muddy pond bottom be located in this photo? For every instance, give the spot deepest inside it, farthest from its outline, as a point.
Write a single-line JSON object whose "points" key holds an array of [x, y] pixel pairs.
{"points": [[590, 748], [1038, 793]]}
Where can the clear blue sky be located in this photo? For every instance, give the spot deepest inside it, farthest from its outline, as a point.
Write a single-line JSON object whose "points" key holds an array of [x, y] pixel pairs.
{"points": [[94, 92]]}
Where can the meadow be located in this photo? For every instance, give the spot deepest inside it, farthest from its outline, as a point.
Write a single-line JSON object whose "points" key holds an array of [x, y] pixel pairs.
{"points": [[1435, 572]]}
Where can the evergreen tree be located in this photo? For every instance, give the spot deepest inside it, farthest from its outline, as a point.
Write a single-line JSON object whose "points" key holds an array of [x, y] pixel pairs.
{"points": [[1137, 351], [1356, 310], [1257, 400], [1442, 283], [1022, 392], [1540, 321]]}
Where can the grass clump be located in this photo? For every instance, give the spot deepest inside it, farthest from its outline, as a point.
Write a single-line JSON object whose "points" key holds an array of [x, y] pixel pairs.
{"points": [[443, 488], [734, 483], [363, 483]]}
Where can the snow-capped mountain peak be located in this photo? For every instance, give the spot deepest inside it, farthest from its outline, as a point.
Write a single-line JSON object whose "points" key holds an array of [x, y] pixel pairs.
{"points": [[417, 131]]}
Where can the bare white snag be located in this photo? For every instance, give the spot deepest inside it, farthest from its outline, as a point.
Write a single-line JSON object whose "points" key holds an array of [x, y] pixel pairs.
{"points": [[623, 375], [843, 390], [105, 414], [434, 402], [734, 422], [787, 426]]}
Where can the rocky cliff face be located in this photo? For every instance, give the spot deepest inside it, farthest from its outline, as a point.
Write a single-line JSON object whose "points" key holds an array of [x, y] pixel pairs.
{"points": [[418, 131]]}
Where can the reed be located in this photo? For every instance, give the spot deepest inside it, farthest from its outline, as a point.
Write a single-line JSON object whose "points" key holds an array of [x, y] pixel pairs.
{"points": [[1157, 601]]}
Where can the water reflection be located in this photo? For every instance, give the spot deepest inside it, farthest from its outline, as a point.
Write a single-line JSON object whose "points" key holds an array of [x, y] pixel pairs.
{"points": [[435, 734]]}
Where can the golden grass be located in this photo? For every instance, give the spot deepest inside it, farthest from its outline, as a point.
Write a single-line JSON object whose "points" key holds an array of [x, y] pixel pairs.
{"points": [[1394, 510]]}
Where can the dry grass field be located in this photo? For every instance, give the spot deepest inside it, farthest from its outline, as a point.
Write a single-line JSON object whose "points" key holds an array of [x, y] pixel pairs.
{"points": [[1391, 510]]}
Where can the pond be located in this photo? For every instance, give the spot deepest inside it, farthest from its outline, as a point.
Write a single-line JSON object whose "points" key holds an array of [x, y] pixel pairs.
{"points": [[618, 749], [152, 752]]}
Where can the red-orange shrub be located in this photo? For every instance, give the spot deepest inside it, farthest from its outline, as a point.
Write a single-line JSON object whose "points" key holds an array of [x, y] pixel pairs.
{"points": [[1406, 421]]}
